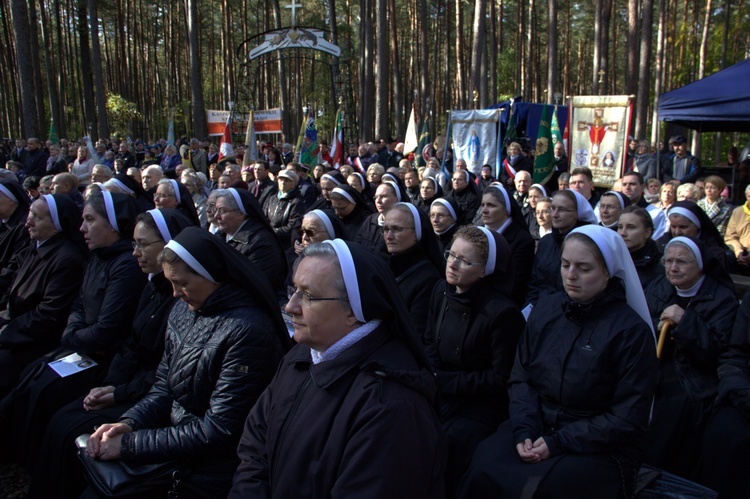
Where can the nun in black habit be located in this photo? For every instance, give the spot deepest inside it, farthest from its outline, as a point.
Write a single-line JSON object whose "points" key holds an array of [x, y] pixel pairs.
{"points": [[172, 194], [131, 373], [14, 208], [473, 328], [43, 289], [351, 208], [130, 186], [355, 395], [446, 217], [685, 218], [317, 226], [224, 340], [414, 258]]}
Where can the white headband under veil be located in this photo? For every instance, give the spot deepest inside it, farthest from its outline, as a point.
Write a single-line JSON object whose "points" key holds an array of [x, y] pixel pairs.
{"points": [[619, 264], [585, 211]]}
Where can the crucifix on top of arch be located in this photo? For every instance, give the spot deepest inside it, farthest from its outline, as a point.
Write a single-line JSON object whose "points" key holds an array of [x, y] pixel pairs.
{"points": [[294, 6]]}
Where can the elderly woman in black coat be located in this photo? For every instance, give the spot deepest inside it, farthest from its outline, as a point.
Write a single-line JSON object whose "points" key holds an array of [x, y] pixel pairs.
{"points": [[686, 218], [473, 327], [224, 340], [243, 225], [697, 296], [39, 299], [350, 411], [414, 258], [446, 217], [131, 373], [581, 386]]}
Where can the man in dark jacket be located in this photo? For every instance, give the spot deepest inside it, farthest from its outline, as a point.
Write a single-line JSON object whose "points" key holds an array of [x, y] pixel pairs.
{"points": [[285, 210], [350, 411], [35, 162], [681, 165]]}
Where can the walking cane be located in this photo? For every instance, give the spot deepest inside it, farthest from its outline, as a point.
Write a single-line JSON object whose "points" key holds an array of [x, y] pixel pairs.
{"points": [[663, 337]]}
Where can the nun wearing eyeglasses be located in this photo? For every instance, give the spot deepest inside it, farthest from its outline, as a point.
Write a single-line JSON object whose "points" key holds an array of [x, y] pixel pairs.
{"points": [[173, 194], [698, 297], [224, 340], [685, 218], [39, 298], [581, 386], [370, 234], [473, 328], [414, 258], [351, 208], [350, 412], [130, 374]]}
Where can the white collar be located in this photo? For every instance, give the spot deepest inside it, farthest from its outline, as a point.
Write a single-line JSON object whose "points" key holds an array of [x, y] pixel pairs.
{"points": [[348, 340]]}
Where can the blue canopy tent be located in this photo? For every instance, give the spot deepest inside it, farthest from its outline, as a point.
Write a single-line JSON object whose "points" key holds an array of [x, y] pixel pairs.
{"points": [[717, 103]]}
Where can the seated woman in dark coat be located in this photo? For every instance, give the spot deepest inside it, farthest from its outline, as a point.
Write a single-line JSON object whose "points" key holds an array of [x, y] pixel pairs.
{"points": [[581, 387], [414, 258], [243, 225], [446, 217], [351, 208], [131, 373], [172, 194], [636, 227], [224, 340], [39, 299], [473, 328], [369, 234], [350, 410], [698, 297], [501, 214], [569, 210], [724, 456], [686, 218], [98, 323]]}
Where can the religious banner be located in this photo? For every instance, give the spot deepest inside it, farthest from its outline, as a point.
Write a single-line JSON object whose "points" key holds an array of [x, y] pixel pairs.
{"points": [[599, 135], [265, 121], [475, 137]]}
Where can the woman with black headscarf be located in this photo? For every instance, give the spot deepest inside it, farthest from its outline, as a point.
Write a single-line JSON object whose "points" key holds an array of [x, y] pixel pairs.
{"points": [[502, 214], [688, 219], [350, 207], [473, 327], [569, 210], [354, 396], [98, 322], [697, 296], [173, 194], [446, 217], [224, 340], [131, 373], [43, 289], [243, 225], [581, 386], [414, 258], [14, 208], [126, 184]]}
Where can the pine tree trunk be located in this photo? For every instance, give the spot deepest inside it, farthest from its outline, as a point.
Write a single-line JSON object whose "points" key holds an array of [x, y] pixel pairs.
{"points": [[200, 124], [87, 84], [382, 77], [460, 55], [644, 70], [30, 120], [96, 52], [50, 70], [658, 73], [397, 99], [631, 75], [478, 50], [551, 50]]}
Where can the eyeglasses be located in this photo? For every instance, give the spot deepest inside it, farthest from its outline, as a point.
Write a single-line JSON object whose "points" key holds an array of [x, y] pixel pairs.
{"points": [[142, 246], [676, 262], [307, 232], [553, 209], [223, 211], [159, 195], [385, 229], [306, 299], [450, 256]]}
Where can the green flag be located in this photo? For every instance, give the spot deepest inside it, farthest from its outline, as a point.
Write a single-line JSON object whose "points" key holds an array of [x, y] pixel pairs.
{"points": [[544, 162], [424, 141], [53, 133], [555, 129], [511, 135]]}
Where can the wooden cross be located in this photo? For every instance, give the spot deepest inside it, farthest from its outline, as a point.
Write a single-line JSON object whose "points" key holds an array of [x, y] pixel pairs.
{"points": [[294, 7]]}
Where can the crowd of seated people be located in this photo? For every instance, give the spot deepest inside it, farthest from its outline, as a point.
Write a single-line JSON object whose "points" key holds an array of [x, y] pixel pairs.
{"points": [[273, 329]]}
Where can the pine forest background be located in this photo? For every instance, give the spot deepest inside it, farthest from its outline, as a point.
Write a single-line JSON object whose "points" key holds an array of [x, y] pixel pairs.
{"points": [[124, 67]]}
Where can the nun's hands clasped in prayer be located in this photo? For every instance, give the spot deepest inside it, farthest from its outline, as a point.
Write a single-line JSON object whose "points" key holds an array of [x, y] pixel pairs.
{"points": [[533, 452], [106, 442]]}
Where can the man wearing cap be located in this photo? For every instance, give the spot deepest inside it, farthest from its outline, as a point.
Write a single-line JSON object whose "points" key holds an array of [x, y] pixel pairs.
{"points": [[681, 165], [285, 210]]}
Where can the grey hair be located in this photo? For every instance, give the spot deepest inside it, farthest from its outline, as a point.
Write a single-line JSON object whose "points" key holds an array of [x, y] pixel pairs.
{"points": [[154, 169], [227, 197], [168, 183], [429, 172], [328, 253]]}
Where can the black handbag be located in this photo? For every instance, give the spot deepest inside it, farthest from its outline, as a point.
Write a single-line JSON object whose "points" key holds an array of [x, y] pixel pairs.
{"points": [[122, 479]]}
